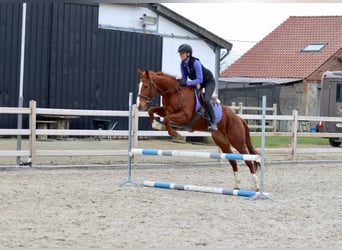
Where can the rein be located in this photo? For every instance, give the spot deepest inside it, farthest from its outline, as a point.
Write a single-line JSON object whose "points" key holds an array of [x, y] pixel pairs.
{"points": [[152, 85], [149, 98]]}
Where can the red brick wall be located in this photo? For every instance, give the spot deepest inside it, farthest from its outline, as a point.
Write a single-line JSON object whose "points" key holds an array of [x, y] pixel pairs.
{"points": [[332, 64]]}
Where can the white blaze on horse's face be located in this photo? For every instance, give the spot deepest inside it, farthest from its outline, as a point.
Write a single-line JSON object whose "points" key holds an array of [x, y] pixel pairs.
{"points": [[139, 92]]}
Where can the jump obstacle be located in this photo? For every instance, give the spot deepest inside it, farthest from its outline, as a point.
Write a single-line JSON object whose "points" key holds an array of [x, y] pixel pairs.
{"points": [[155, 152], [204, 189], [245, 157]]}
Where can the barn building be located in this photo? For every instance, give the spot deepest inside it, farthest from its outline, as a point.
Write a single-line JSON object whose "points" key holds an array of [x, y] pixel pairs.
{"points": [[86, 56]]}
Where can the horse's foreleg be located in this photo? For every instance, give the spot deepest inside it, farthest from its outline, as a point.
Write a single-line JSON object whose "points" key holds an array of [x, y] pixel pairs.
{"points": [[169, 128], [156, 110], [159, 111], [178, 118]]}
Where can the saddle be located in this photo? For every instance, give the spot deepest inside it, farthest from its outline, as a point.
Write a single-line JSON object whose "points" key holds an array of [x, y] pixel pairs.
{"points": [[200, 98], [200, 110]]}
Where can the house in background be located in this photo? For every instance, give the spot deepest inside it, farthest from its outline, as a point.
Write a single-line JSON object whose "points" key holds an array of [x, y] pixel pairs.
{"points": [[286, 65]]}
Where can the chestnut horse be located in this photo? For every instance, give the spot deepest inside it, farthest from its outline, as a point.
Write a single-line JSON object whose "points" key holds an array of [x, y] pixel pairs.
{"points": [[178, 107]]}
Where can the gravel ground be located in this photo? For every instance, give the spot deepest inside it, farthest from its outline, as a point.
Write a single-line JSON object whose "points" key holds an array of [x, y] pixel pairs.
{"points": [[52, 205]]}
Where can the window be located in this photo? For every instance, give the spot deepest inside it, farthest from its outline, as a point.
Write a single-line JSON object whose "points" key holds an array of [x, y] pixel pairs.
{"points": [[314, 47], [339, 92]]}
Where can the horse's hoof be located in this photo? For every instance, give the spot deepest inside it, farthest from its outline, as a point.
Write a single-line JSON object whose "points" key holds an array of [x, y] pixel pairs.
{"points": [[158, 125], [175, 135], [255, 189], [179, 139]]}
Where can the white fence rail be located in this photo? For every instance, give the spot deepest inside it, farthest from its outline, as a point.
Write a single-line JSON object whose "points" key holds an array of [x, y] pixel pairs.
{"points": [[32, 132]]}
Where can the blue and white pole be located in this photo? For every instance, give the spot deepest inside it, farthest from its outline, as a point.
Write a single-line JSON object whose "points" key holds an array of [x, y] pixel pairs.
{"points": [[245, 157], [204, 189]]}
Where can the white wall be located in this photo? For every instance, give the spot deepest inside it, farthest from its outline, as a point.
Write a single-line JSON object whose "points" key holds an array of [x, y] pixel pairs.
{"points": [[171, 60], [127, 18], [124, 17]]}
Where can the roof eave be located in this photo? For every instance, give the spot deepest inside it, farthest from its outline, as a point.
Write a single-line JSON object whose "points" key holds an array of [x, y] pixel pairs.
{"points": [[189, 25], [275, 80]]}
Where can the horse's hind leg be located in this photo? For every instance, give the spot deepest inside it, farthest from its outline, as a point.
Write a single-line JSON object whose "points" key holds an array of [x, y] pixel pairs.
{"points": [[236, 172], [254, 173], [223, 143], [252, 169]]}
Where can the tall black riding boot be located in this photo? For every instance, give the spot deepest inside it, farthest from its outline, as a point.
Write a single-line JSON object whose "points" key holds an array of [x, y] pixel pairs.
{"points": [[211, 114]]}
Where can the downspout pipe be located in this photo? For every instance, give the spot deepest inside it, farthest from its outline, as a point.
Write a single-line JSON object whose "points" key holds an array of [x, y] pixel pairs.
{"points": [[218, 60]]}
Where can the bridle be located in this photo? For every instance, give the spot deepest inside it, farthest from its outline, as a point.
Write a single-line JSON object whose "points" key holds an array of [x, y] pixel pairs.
{"points": [[149, 98]]}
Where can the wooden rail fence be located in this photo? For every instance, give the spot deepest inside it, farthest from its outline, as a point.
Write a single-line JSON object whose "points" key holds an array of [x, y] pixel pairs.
{"points": [[32, 132]]}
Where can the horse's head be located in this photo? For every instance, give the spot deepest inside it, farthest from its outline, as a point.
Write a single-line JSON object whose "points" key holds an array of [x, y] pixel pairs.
{"points": [[147, 89]]}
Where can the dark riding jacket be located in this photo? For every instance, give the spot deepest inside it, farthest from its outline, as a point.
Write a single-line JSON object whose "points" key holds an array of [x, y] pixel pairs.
{"points": [[194, 70]]}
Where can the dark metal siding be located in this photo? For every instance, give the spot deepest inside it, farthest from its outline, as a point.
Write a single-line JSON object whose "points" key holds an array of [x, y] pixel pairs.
{"points": [[37, 54], [250, 95], [71, 63], [10, 25]]}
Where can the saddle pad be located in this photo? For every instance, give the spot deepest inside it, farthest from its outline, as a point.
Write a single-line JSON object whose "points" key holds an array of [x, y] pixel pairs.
{"points": [[217, 108]]}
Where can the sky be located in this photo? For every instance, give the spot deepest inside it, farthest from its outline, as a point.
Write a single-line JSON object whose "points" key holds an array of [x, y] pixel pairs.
{"points": [[244, 24]]}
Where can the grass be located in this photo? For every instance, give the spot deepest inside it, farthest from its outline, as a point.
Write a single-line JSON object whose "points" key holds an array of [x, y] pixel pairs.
{"points": [[284, 141]]}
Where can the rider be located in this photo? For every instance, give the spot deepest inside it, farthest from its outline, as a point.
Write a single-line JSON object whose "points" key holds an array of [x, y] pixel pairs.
{"points": [[192, 68]]}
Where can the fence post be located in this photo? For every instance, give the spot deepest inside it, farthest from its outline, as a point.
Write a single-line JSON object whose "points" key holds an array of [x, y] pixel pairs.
{"points": [[234, 107], [240, 108], [294, 135], [274, 121], [32, 125]]}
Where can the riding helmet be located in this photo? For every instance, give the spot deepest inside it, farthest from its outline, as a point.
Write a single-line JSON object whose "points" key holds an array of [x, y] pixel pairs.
{"points": [[185, 48]]}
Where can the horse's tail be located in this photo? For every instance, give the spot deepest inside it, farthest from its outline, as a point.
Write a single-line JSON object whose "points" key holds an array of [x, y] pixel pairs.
{"points": [[249, 144]]}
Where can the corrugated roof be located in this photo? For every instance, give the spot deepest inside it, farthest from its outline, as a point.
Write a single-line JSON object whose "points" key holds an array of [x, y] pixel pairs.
{"points": [[243, 82], [258, 80], [279, 54]]}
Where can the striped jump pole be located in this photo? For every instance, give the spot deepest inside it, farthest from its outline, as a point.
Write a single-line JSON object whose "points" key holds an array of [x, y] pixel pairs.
{"points": [[130, 131], [245, 157], [204, 189]]}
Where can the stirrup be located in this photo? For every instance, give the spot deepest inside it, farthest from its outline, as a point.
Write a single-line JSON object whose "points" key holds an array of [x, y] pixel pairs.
{"points": [[201, 114], [212, 127]]}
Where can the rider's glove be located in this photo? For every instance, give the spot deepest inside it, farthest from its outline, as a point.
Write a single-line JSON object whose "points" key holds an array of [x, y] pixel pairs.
{"points": [[182, 82]]}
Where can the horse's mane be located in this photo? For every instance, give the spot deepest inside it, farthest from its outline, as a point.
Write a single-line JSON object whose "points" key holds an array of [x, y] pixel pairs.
{"points": [[160, 73]]}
